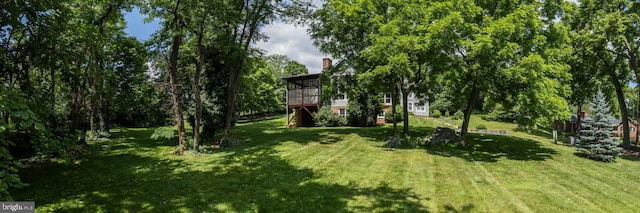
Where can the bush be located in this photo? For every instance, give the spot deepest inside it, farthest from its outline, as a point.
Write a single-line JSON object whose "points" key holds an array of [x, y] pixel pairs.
{"points": [[446, 114], [163, 133], [481, 126], [22, 119], [458, 115], [436, 113], [325, 117], [503, 116], [389, 118]]}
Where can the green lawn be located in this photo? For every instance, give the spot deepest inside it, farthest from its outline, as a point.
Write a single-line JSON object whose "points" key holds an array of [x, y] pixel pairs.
{"points": [[333, 170]]}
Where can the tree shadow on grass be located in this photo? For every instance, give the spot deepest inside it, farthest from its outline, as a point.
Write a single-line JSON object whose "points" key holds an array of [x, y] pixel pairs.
{"points": [[248, 180], [491, 148], [252, 135], [463, 209], [141, 137], [309, 135]]}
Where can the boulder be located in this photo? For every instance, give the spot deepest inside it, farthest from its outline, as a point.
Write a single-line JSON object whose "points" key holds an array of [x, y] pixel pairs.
{"points": [[444, 135]]}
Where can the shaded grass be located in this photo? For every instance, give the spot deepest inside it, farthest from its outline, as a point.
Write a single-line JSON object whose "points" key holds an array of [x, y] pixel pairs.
{"points": [[345, 169]]}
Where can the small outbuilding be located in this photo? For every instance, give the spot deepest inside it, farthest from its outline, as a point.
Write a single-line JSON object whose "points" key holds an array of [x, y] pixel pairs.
{"points": [[303, 99]]}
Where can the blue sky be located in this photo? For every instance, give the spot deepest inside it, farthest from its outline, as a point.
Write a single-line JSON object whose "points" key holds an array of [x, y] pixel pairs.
{"points": [[136, 27]]}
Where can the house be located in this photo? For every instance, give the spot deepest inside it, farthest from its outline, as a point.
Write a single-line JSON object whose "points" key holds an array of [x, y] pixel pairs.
{"points": [[633, 126], [303, 99], [572, 125]]}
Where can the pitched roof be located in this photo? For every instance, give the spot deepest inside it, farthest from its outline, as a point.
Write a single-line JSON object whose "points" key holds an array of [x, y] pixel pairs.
{"points": [[302, 77], [619, 122]]}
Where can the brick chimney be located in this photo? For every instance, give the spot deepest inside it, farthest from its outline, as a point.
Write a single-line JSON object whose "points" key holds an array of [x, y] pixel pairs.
{"points": [[583, 115], [326, 63]]}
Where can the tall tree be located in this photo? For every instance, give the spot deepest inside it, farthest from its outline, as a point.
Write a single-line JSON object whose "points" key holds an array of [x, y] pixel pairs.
{"points": [[199, 22], [374, 58], [173, 27], [610, 30], [295, 68], [259, 87], [277, 64], [247, 18], [491, 47]]}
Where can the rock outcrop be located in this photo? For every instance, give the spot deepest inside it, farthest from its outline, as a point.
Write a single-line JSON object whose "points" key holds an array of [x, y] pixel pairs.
{"points": [[444, 135]]}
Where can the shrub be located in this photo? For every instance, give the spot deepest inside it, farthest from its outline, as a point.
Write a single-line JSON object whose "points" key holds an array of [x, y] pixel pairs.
{"points": [[325, 117], [458, 115], [446, 114], [163, 133], [436, 113], [390, 118], [481, 126], [22, 119]]}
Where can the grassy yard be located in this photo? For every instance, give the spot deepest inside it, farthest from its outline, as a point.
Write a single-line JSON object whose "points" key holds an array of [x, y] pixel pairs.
{"points": [[334, 170]]}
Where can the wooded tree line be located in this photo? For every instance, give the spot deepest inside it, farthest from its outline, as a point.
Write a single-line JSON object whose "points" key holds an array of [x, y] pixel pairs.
{"points": [[68, 67], [529, 58]]}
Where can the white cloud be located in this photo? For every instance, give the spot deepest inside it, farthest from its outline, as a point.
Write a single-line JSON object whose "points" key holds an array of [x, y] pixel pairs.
{"points": [[294, 42]]}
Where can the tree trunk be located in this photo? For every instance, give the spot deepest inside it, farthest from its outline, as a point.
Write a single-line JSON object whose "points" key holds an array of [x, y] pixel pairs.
{"points": [[52, 104], [78, 98], [92, 97], [394, 102], [196, 92], [626, 142], [52, 90], [579, 121], [102, 106], [633, 62], [175, 94], [473, 96], [405, 114], [637, 72], [236, 73], [638, 107], [231, 100]]}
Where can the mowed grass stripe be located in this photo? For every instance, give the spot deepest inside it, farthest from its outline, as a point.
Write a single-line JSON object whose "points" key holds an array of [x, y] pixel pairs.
{"points": [[504, 191], [452, 184], [594, 186], [359, 163]]}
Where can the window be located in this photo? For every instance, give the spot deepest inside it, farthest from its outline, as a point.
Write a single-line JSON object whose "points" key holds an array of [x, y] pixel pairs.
{"points": [[342, 112], [410, 107], [387, 98], [632, 129], [343, 96], [420, 108], [381, 115]]}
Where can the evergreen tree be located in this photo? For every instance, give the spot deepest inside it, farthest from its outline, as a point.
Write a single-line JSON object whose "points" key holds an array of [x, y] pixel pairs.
{"points": [[595, 137]]}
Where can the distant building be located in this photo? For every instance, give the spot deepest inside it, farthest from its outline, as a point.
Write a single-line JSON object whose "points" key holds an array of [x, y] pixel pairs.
{"points": [[303, 99], [572, 125], [633, 126]]}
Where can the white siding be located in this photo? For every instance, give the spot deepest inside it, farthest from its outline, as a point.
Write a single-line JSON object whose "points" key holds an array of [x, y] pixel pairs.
{"points": [[417, 109]]}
